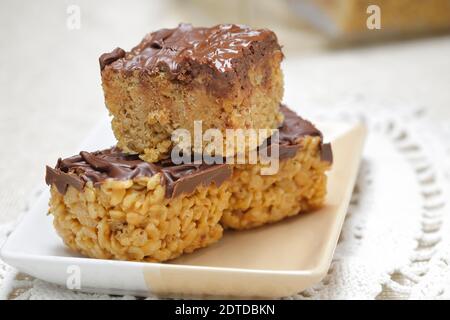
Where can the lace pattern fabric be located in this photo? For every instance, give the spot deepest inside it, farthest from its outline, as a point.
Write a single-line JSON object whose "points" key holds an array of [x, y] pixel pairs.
{"points": [[393, 244]]}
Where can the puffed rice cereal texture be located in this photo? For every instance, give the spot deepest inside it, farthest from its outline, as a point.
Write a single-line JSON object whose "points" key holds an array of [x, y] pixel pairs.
{"points": [[133, 220]]}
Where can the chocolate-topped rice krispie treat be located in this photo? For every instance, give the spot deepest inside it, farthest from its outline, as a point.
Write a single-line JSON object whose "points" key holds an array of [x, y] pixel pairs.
{"points": [[299, 186], [227, 76], [111, 205]]}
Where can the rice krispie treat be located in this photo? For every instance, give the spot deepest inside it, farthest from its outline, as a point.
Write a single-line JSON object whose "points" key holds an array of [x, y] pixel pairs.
{"points": [[299, 185], [227, 76], [111, 205]]}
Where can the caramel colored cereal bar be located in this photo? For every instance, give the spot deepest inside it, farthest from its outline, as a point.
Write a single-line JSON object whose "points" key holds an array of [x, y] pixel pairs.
{"points": [[299, 186]]}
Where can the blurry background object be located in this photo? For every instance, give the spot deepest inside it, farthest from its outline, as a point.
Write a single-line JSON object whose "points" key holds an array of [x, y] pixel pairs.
{"points": [[296, 35], [350, 17], [308, 25]]}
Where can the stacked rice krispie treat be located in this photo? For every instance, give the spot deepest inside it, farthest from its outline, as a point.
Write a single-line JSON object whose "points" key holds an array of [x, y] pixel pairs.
{"points": [[133, 201], [227, 76]]}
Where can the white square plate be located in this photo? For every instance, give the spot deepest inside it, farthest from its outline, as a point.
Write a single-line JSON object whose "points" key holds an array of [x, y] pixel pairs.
{"points": [[272, 261]]}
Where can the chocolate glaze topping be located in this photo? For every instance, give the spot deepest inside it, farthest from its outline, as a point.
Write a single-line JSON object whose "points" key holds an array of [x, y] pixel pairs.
{"points": [[113, 163], [110, 57], [293, 128], [226, 49], [185, 178]]}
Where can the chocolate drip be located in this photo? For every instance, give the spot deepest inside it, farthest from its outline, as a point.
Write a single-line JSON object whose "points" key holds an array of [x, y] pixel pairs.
{"points": [[108, 58], [186, 177], [295, 127], [178, 179], [326, 153]]}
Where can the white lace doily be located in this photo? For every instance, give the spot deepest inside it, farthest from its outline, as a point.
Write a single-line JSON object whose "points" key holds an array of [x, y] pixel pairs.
{"points": [[395, 241]]}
